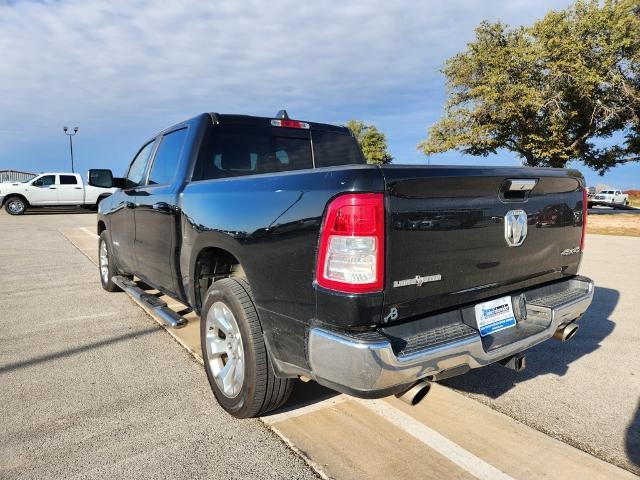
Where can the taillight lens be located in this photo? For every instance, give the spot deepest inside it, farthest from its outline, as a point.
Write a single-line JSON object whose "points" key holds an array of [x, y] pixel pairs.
{"points": [[351, 255], [585, 202]]}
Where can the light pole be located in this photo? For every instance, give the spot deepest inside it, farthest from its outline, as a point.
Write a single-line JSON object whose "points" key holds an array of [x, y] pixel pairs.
{"points": [[70, 135]]}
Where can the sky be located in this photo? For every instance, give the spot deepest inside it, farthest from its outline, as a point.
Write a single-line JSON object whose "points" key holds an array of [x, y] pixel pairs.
{"points": [[123, 70]]}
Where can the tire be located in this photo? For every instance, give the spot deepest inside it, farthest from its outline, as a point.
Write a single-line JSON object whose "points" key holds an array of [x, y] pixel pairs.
{"points": [[15, 206], [106, 264], [252, 388]]}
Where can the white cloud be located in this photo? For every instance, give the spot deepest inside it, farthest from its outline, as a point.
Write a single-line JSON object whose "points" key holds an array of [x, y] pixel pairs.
{"points": [[119, 63]]}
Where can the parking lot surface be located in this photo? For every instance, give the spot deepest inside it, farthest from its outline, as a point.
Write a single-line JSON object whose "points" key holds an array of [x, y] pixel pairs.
{"points": [[91, 387], [133, 383]]}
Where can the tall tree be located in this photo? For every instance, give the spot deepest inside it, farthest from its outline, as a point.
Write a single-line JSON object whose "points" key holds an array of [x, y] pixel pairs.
{"points": [[565, 88], [372, 141]]}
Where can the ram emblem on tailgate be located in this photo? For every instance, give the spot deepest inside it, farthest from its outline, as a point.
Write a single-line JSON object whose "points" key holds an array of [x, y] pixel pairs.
{"points": [[515, 227]]}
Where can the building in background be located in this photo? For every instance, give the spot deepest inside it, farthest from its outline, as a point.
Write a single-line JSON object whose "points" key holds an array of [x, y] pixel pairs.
{"points": [[15, 176]]}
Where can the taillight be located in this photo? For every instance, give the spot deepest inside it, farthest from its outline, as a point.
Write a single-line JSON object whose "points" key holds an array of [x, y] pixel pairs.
{"points": [[585, 202], [351, 255]]}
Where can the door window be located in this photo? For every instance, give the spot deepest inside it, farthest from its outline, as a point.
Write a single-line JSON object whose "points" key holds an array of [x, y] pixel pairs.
{"points": [[167, 157], [138, 167], [68, 180], [44, 181]]}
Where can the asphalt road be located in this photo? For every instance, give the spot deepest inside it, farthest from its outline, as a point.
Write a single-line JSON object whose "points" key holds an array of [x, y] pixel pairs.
{"points": [[585, 392], [91, 387]]}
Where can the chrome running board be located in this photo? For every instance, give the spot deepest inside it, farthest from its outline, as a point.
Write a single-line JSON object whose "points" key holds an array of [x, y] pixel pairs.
{"points": [[157, 306]]}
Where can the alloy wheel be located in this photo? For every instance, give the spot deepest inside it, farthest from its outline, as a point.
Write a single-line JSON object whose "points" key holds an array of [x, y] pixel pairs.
{"points": [[224, 350]]}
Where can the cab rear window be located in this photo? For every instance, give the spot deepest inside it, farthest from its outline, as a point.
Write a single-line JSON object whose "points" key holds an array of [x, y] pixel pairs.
{"points": [[231, 151]]}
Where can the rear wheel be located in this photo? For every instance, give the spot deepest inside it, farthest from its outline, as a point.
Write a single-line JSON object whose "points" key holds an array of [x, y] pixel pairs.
{"points": [[15, 206], [236, 360]]}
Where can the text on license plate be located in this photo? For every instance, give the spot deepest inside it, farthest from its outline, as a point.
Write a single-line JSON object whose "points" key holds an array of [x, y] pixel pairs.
{"points": [[495, 315]]}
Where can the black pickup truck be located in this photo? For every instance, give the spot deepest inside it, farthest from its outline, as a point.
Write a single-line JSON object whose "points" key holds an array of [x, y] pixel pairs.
{"points": [[303, 261]]}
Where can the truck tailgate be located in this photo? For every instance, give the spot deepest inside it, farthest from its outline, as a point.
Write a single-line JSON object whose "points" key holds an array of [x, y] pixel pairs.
{"points": [[446, 242]]}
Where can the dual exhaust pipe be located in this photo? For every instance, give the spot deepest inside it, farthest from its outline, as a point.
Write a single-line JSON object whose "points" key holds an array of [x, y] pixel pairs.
{"points": [[416, 393], [419, 390], [566, 332]]}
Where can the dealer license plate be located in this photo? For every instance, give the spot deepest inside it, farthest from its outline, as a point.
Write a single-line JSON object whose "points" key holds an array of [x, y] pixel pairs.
{"points": [[495, 315]]}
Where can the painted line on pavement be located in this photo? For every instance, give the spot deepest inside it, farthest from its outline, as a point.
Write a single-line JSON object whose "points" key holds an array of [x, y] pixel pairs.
{"points": [[441, 444], [304, 410], [89, 232]]}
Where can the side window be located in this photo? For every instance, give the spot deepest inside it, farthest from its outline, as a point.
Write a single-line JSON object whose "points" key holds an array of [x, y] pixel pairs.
{"points": [[138, 167], [68, 180], [45, 181], [167, 157]]}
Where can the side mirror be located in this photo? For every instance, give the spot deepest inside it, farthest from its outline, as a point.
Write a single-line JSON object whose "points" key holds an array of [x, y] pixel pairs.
{"points": [[101, 178]]}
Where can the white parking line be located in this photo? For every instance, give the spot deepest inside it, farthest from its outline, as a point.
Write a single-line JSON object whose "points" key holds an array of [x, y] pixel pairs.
{"points": [[298, 411], [445, 447], [88, 232]]}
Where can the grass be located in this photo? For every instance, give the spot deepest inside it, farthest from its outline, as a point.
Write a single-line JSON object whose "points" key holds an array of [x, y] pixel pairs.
{"points": [[634, 202], [627, 225]]}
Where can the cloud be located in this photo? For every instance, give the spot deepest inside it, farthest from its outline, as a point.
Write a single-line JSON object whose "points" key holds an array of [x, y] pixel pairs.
{"points": [[116, 65]]}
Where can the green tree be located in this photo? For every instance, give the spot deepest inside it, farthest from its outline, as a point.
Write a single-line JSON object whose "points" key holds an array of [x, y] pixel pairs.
{"points": [[372, 141], [547, 91]]}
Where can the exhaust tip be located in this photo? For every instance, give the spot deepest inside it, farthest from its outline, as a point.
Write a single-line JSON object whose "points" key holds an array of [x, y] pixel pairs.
{"points": [[416, 393], [566, 333]]}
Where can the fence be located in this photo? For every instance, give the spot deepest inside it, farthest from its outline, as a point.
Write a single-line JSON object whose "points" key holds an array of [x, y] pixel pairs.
{"points": [[15, 176]]}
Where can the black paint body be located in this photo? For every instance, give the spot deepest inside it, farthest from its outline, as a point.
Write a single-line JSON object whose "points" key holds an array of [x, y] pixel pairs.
{"points": [[439, 220]]}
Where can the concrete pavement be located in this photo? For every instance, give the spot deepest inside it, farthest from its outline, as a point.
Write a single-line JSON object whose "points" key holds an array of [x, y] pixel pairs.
{"points": [[585, 392], [91, 387], [447, 436]]}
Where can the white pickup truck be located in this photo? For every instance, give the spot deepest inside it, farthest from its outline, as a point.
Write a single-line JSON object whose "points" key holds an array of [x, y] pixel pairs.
{"points": [[48, 189], [612, 196]]}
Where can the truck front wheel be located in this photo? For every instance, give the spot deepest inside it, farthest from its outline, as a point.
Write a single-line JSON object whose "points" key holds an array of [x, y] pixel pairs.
{"points": [[15, 206], [236, 360], [106, 264]]}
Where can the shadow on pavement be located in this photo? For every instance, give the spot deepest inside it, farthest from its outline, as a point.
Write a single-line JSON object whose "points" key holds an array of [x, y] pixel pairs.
{"points": [[305, 394], [59, 211], [551, 356], [75, 351], [632, 438]]}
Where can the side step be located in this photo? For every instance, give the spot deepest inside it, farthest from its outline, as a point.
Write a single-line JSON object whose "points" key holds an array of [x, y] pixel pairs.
{"points": [[158, 307]]}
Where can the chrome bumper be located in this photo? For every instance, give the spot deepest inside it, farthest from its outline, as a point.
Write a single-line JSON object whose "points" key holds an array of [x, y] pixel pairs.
{"points": [[370, 367]]}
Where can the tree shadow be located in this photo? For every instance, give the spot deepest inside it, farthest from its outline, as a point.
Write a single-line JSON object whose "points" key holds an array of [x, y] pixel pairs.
{"points": [[632, 439], [549, 357]]}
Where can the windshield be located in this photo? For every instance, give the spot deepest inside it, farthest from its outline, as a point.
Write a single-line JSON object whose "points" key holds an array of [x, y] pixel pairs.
{"points": [[607, 192]]}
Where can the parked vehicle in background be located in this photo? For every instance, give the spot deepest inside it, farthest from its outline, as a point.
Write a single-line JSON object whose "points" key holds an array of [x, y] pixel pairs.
{"points": [[614, 197], [303, 261], [49, 189]]}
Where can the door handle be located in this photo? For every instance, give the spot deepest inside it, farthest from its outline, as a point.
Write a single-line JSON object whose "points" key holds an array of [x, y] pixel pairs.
{"points": [[129, 205], [52, 188], [77, 188], [162, 207]]}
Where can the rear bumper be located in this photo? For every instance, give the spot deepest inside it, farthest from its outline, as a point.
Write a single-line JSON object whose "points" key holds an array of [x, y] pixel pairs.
{"points": [[380, 363]]}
